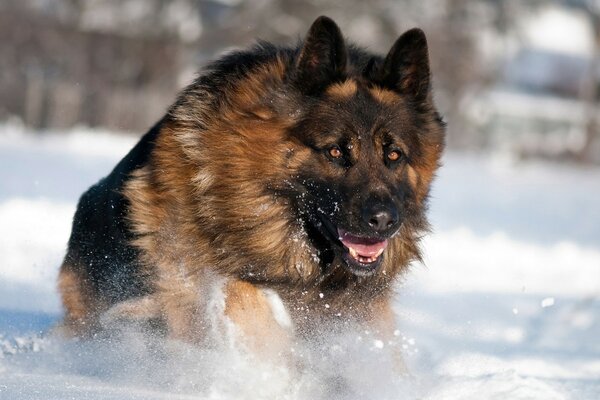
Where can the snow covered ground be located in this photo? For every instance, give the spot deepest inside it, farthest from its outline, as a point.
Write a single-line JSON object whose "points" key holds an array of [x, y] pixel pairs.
{"points": [[506, 307]]}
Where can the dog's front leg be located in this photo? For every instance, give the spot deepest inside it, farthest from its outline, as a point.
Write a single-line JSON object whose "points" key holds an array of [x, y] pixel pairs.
{"points": [[258, 320], [383, 321]]}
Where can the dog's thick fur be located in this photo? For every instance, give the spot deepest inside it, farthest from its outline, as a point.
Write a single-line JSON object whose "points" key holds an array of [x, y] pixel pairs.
{"points": [[242, 185]]}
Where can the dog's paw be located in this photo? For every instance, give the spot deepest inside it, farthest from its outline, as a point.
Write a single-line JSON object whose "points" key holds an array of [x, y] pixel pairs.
{"points": [[140, 310]]}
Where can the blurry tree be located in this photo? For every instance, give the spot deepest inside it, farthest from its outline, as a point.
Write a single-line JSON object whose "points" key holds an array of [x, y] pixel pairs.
{"points": [[57, 71], [119, 63], [107, 62]]}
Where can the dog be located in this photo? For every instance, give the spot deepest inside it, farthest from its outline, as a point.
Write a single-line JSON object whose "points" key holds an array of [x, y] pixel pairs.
{"points": [[284, 191]]}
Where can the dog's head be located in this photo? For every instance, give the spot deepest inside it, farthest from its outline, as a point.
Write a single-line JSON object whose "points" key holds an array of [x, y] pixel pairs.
{"points": [[371, 140], [325, 144]]}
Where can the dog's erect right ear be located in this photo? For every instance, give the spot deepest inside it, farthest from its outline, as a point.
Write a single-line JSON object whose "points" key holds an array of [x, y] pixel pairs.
{"points": [[322, 58], [406, 67]]}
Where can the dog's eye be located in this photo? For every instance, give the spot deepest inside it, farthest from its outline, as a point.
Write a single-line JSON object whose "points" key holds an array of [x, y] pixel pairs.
{"points": [[394, 155], [335, 152]]}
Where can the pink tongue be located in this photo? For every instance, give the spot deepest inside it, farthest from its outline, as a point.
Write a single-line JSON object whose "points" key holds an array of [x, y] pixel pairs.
{"points": [[363, 246]]}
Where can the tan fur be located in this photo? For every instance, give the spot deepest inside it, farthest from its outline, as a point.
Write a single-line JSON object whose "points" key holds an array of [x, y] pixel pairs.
{"points": [[342, 91], [81, 307], [429, 162], [384, 96], [413, 178]]}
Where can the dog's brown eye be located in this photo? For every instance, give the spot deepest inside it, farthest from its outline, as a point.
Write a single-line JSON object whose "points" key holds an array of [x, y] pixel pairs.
{"points": [[335, 152], [394, 155]]}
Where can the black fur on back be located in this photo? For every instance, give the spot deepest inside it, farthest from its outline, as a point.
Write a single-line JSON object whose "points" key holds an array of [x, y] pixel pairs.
{"points": [[99, 246]]}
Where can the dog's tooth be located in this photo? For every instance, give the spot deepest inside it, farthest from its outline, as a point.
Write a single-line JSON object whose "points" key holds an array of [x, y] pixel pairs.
{"points": [[353, 252], [365, 260]]}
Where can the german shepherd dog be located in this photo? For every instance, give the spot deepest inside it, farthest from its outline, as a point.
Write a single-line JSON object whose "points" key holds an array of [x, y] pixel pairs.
{"points": [[284, 191]]}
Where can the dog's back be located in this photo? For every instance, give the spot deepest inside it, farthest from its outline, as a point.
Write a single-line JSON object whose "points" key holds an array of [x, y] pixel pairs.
{"points": [[101, 266]]}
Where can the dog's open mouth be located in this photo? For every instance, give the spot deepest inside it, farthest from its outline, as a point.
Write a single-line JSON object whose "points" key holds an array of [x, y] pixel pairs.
{"points": [[363, 254]]}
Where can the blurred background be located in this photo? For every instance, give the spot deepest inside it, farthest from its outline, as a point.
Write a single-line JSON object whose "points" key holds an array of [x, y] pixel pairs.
{"points": [[519, 77]]}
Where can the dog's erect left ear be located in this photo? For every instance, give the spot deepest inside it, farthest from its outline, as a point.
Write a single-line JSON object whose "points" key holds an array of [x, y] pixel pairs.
{"points": [[322, 58], [406, 67]]}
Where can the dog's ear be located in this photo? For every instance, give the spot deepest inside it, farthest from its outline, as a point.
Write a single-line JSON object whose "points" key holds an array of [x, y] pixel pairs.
{"points": [[406, 67], [322, 58]]}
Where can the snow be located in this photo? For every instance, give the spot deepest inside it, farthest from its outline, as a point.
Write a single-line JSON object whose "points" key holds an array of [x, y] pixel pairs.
{"points": [[506, 305]]}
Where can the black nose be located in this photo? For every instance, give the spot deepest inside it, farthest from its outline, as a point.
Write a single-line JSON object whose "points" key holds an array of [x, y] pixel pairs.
{"points": [[381, 218]]}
